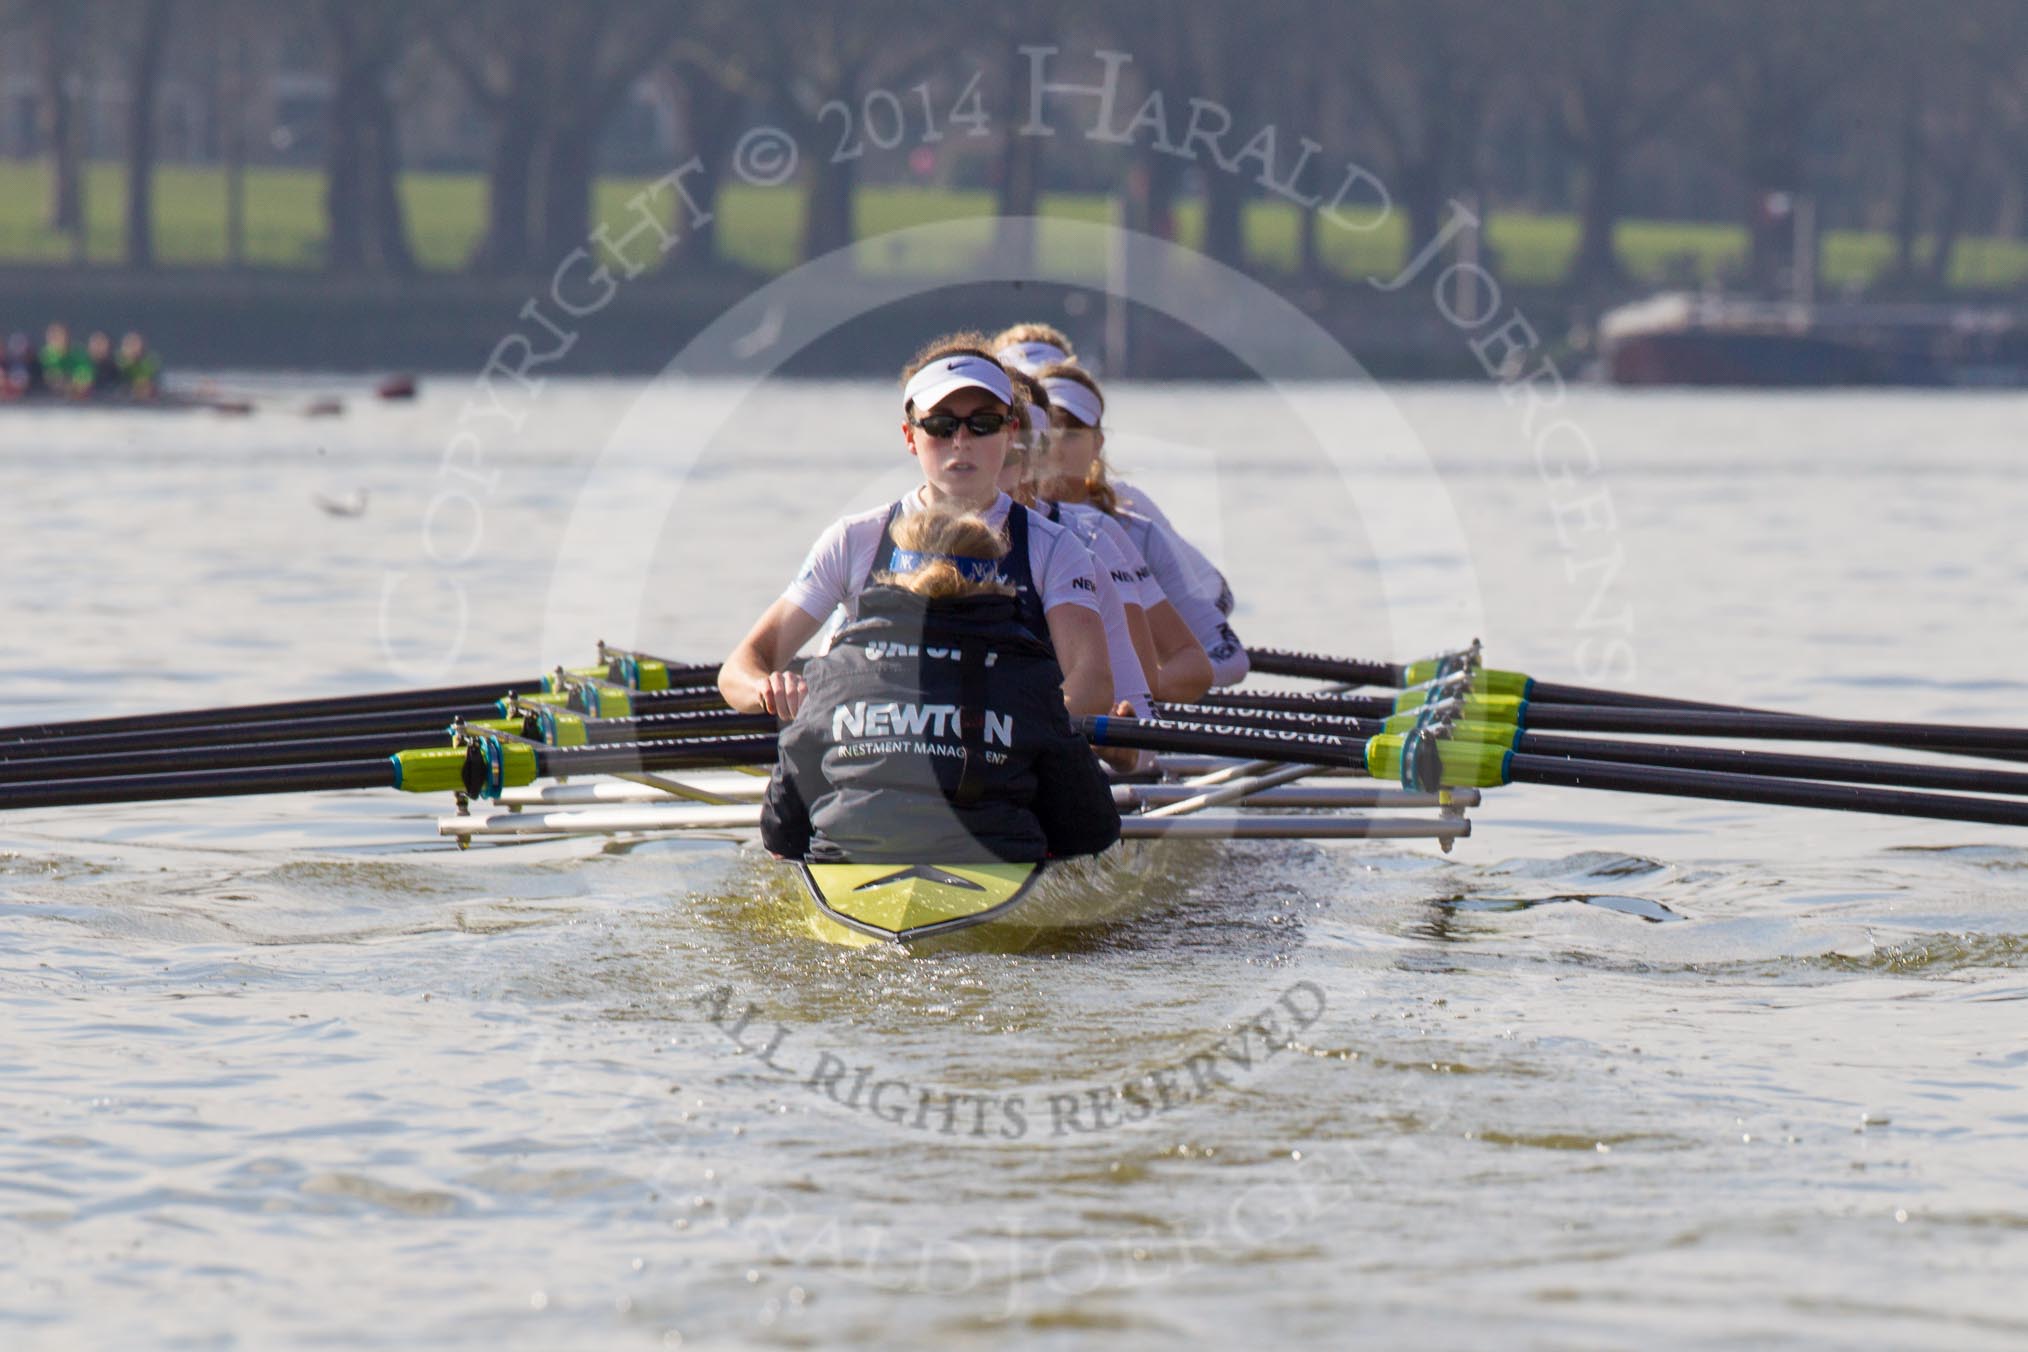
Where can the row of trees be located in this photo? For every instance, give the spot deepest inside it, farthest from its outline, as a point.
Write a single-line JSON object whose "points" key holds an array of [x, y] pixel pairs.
{"points": [[1890, 115]]}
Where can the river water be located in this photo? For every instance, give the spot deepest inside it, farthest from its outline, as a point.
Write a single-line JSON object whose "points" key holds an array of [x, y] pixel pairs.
{"points": [[292, 1071]]}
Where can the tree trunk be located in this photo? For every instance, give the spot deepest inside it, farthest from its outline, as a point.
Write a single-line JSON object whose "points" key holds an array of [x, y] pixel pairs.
{"points": [[1019, 170], [1165, 182], [344, 171], [1908, 191], [711, 116], [388, 223], [510, 186], [1224, 217], [564, 172], [1309, 263], [56, 55], [827, 215], [1957, 199], [232, 147], [1597, 264], [144, 77], [1423, 201], [366, 232]]}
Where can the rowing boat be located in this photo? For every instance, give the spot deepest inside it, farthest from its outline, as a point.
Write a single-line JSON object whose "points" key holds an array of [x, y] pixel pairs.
{"points": [[993, 905], [637, 747]]}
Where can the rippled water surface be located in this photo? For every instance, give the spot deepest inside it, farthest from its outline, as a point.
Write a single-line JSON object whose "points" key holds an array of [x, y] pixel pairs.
{"points": [[291, 1071]]}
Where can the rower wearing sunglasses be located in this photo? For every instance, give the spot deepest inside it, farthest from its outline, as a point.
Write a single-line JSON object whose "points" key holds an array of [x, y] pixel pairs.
{"points": [[960, 410]]}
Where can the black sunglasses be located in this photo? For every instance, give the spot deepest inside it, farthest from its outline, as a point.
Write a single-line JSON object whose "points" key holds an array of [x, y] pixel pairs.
{"points": [[944, 425]]}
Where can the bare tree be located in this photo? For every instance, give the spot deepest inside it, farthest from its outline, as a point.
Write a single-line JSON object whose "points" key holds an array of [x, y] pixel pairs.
{"points": [[597, 65], [497, 52], [1790, 61], [831, 58], [1163, 64], [1955, 81], [1613, 74], [1422, 74], [59, 43], [1018, 160], [367, 227], [715, 72], [550, 80], [2011, 99], [1225, 61], [144, 78]]}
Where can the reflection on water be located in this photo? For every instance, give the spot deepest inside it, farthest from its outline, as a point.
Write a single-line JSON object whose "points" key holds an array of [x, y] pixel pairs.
{"points": [[291, 1070]]}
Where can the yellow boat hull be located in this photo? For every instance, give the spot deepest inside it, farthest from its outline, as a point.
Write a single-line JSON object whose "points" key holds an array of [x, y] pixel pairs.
{"points": [[982, 907], [904, 903]]}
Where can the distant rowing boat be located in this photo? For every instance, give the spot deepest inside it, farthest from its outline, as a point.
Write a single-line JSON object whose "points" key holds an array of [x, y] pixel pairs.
{"points": [[169, 401], [206, 398]]}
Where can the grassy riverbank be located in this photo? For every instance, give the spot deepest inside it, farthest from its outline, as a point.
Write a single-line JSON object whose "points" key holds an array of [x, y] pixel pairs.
{"points": [[760, 229]]}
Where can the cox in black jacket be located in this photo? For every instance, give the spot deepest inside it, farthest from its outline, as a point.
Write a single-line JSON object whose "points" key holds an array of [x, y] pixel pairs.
{"points": [[934, 731]]}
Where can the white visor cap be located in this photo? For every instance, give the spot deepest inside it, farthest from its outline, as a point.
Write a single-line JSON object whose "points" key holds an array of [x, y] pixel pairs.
{"points": [[1073, 398], [945, 376], [1031, 357]]}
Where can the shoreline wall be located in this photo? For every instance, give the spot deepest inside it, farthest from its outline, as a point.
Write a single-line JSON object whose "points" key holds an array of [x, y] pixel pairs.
{"points": [[274, 320]]}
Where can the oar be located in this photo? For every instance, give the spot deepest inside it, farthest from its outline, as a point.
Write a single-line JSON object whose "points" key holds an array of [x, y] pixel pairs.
{"points": [[1964, 739], [1478, 765], [1400, 675], [671, 676], [453, 696], [572, 731], [1729, 760], [418, 722], [481, 769]]}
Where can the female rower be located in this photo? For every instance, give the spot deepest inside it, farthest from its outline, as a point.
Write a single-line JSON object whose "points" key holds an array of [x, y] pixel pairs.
{"points": [[1075, 472], [934, 728], [1131, 691], [1152, 650], [960, 410], [1031, 347]]}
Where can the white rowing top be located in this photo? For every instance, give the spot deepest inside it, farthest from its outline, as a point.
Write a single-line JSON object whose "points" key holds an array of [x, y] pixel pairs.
{"points": [[1138, 587], [836, 569], [1130, 681], [1135, 500], [1196, 590]]}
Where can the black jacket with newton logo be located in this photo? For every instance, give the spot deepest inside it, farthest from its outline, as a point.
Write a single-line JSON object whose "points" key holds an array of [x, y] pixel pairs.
{"points": [[935, 732]]}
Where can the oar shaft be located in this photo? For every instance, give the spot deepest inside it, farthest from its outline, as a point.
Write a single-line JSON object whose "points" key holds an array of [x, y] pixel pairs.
{"points": [[416, 723], [1357, 671], [1730, 760], [1318, 667], [370, 746], [280, 712], [305, 778], [419, 723], [226, 782], [1952, 738], [1359, 706], [305, 751], [1779, 727], [1673, 783], [1552, 692], [1210, 739], [677, 675], [679, 723], [1900, 774]]}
